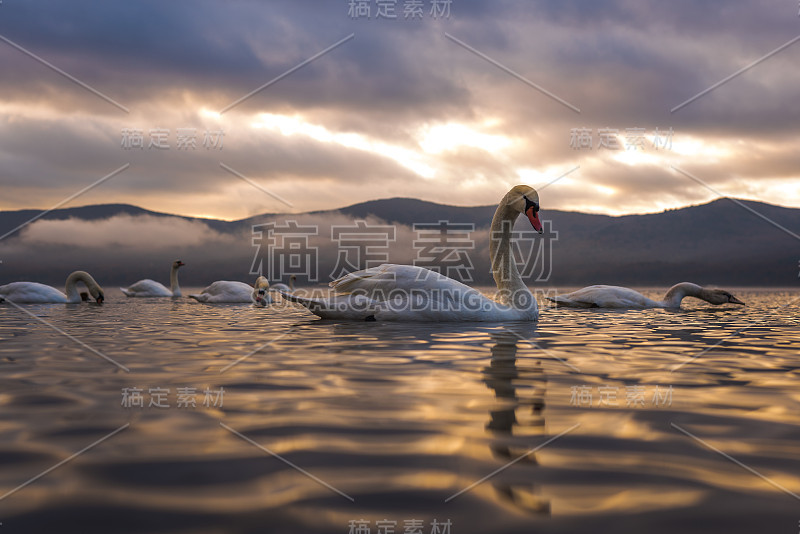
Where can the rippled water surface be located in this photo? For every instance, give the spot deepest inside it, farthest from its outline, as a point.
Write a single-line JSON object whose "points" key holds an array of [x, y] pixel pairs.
{"points": [[636, 421]]}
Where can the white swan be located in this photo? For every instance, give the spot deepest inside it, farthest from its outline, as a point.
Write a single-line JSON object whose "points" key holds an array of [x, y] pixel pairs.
{"points": [[622, 297], [151, 288], [407, 293], [284, 287], [33, 292], [227, 291]]}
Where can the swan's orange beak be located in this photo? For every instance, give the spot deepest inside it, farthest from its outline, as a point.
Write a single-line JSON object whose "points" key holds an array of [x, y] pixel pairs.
{"points": [[533, 217]]}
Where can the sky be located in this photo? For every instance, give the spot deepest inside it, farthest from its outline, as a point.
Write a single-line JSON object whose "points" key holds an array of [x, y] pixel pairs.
{"points": [[452, 107]]}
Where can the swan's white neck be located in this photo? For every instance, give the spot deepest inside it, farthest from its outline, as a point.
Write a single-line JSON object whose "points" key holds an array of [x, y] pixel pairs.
{"points": [[173, 281], [512, 288], [675, 294]]}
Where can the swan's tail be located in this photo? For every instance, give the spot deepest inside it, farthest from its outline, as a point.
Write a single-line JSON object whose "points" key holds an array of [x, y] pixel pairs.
{"points": [[348, 307], [310, 303], [565, 302]]}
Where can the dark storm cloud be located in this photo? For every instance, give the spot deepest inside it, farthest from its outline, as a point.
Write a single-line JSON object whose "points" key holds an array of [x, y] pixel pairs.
{"points": [[617, 60], [139, 51]]}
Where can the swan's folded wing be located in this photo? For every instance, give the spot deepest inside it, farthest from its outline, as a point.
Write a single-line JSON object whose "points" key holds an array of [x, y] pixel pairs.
{"points": [[378, 283], [147, 287], [226, 291], [615, 297], [587, 297], [381, 279], [142, 285], [601, 296]]}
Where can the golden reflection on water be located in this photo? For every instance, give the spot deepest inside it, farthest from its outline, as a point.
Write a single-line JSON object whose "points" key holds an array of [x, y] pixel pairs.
{"points": [[403, 416]]}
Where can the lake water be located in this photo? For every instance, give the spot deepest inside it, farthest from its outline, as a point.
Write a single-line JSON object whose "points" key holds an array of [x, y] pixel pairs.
{"points": [[580, 423]]}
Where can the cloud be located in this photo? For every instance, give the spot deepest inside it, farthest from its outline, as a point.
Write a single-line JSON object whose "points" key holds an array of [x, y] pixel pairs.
{"points": [[387, 87], [142, 232]]}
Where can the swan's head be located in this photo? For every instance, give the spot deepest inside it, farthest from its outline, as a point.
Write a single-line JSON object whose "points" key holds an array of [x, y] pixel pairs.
{"points": [[260, 289], [525, 199], [720, 296], [97, 293], [177, 264]]}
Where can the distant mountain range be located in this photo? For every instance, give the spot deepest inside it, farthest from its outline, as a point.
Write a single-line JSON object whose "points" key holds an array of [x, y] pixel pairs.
{"points": [[721, 243]]}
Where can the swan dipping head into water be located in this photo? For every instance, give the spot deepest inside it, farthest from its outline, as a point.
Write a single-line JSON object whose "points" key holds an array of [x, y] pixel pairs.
{"points": [[260, 288], [623, 297], [34, 292]]}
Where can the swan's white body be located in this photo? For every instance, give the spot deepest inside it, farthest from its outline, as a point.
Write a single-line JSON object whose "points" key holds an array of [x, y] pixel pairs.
{"points": [[622, 297], [150, 288], [34, 292], [409, 293], [225, 291]]}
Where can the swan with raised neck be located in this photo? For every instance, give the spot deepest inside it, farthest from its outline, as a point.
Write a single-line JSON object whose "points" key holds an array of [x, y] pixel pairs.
{"points": [[174, 287], [411, 293], [520, 199], [151, 288]]}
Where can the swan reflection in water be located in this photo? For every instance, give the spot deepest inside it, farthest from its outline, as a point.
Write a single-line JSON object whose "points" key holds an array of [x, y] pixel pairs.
{"points": [[517, 421], [515, 418]]}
